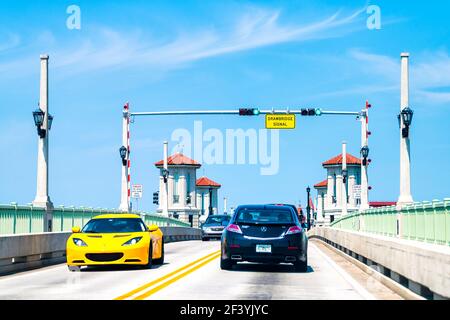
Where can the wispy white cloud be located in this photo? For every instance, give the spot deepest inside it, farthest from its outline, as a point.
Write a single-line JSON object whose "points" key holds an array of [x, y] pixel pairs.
{"points": [[11, 41], [253, 29], [429, 73], [376, 65]]}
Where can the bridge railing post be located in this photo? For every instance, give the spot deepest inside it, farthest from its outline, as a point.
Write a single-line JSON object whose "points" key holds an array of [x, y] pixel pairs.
{"points": [[30, 219], [439, 222], [428, 213], [447, 220], [14, 217]]}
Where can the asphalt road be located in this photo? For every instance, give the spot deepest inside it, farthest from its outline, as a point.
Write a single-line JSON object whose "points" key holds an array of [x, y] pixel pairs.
{"points": [[192, 271]]}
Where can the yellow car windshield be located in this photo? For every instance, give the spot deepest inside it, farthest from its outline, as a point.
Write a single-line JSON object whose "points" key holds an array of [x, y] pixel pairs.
{"points": [[114, 225]]}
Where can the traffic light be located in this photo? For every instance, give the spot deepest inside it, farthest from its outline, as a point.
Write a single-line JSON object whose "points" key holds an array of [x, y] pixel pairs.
{"points": [[311, 112], [156, 197], [248, 111]]}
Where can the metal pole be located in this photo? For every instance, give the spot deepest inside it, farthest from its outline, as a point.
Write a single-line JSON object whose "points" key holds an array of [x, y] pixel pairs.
{"points": [[203, 203], [405, 159], [125, 196], [364, 178], [344, 178], [210, 202], [308, 208], [166, 183], [236, 112]]}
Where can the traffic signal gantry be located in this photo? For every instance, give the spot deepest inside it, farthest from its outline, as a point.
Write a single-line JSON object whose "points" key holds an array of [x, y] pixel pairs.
{"points": [[303, 112], [248, 111]]}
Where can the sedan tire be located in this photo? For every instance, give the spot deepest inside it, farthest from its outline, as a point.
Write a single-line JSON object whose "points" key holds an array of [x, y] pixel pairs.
{"points": [[226, 264], [301, 266]]}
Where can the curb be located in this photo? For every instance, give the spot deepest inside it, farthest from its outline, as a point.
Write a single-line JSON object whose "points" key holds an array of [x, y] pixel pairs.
{"points": [[388, 282]]}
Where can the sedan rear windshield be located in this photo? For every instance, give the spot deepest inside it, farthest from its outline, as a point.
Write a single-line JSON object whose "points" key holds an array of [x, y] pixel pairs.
{"points": [[114, 225], [219, 220], [264, 216]]}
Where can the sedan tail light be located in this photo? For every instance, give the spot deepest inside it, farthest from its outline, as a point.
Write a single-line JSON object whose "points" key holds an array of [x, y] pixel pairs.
{"points": [[234, 228], [293, 230]]}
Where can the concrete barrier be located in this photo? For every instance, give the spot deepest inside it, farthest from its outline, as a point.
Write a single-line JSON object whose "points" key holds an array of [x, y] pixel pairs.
{"points": [[21, 252], [423, 268]]}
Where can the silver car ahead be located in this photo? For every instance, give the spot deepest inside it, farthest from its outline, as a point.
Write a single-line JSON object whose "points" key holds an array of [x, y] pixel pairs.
{"points": [[214, 225]]}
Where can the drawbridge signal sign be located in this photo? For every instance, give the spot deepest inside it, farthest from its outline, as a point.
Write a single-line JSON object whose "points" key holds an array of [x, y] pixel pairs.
{"points": [[280, 121]]}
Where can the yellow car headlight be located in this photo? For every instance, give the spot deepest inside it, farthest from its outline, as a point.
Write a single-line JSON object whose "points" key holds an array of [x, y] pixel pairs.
{"points": [[79, 242], [132, 241]]}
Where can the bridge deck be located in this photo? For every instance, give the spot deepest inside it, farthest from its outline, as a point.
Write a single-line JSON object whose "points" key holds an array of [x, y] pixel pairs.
{"points": [[329, 276]]}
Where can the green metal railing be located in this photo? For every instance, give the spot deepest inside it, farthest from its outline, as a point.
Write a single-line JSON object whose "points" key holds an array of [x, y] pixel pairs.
{"points": [[16, 218], [421, 221]]}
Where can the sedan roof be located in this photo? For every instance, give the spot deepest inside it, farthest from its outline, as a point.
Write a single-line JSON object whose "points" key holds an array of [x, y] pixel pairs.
{"points": [[116, 215], [264, 206]]}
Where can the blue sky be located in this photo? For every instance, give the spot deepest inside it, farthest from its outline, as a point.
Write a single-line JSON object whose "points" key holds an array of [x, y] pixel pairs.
{"points": [[208, 54]]}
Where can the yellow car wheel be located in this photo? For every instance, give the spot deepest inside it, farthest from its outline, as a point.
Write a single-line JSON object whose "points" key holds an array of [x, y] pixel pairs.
{"points": [[150, 255], [160, 260]]}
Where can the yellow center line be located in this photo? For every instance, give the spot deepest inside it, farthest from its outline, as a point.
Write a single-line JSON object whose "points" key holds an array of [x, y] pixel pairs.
{"points": [[170, 281], [152, 283]]}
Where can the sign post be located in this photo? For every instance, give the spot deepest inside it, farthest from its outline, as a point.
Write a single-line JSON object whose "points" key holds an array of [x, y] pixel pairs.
{"points": [[356, 191], [136, 193]]}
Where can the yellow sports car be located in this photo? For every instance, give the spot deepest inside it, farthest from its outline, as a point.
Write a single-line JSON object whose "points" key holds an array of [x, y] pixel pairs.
{"points": [[115, 239]]}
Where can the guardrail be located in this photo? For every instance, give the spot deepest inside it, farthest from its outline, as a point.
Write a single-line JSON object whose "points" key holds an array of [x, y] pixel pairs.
{"points": [[423, 268], [16, 219], [421, 221], [28, 251]]}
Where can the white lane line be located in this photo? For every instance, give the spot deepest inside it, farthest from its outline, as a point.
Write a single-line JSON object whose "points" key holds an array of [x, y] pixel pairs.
{"points": [[358, 288], [33, 272]]}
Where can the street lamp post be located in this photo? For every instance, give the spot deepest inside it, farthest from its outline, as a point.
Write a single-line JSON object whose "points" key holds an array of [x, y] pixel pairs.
{"points": [[165, 175], [364, 161], [124, 151], [42, 120], [344, 178], [210, 202], [405, 119], [308, 208]]}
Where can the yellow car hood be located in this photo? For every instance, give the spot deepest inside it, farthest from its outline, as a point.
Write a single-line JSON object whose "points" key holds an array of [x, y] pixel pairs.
{"points": [[109, 240]]}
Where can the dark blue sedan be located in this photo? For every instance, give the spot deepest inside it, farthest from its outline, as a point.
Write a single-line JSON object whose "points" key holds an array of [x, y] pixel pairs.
{"points": [[264, 233]]}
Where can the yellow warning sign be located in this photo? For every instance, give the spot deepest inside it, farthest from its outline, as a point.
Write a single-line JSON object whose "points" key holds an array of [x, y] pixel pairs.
{"points": [[280, 121]]}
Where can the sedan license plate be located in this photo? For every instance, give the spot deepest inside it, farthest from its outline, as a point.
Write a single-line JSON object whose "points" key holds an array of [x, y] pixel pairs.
{"points": [[264, 248]]}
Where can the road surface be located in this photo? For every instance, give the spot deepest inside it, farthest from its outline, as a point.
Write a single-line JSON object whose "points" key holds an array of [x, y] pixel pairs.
{"points": [[191, 271]]}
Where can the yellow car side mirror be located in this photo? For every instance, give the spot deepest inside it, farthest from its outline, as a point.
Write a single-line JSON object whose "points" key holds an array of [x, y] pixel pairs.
{"points": [[153, 228], [76, 229]]}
